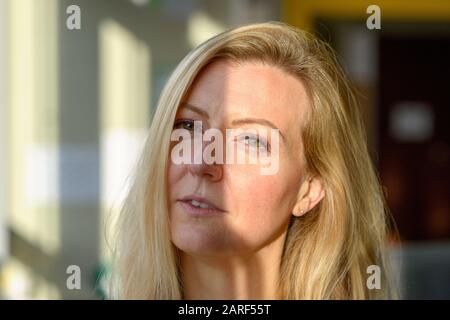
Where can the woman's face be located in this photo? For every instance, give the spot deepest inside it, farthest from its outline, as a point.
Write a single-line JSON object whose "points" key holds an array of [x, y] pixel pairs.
{"points": [[253, 209]]}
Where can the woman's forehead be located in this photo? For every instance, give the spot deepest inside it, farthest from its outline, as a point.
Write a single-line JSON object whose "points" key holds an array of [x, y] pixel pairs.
{"points": [[229, 91]]}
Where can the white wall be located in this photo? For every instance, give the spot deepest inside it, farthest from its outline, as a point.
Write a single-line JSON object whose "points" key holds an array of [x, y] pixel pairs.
{"points": [[3, 116]]}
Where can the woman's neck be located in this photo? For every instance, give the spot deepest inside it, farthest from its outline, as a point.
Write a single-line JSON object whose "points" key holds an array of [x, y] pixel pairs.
{"points": [[250, 277]]}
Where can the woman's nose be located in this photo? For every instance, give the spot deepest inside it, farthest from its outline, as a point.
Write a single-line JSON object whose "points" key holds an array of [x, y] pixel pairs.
{"points": [[212, 172], [199, 167]]}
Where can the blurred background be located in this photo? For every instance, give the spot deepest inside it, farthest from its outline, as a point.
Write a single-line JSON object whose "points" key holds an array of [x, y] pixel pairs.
{"points": [[75, 106]]}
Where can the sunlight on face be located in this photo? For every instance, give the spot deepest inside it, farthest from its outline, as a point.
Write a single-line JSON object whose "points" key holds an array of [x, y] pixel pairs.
{"points": [[220, 209]]}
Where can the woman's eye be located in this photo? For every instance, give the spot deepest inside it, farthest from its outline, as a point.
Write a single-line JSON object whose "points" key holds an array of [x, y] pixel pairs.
{"points": [[255, 141], [184, 124]]}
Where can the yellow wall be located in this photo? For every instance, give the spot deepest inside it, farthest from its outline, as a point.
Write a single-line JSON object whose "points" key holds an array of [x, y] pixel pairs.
{"points": [[301, 13]]}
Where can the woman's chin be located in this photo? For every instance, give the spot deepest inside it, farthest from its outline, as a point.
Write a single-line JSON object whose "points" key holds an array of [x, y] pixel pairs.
{"points": [[208, 244]]}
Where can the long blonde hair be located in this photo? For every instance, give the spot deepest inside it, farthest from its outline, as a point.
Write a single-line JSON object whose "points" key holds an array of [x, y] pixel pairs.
{"points": [[328, 250]]}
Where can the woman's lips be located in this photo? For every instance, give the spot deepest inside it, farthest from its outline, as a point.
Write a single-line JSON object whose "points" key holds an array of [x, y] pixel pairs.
{"points": [[196, 210]]}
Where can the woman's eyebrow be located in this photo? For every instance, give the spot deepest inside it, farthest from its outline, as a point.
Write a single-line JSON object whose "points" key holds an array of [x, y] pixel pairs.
{"points": [[259, 121], [195, 109], [234, 122]]}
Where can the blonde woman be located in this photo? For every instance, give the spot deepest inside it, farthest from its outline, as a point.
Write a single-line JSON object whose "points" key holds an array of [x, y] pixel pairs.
{"points": [[216, 230]]}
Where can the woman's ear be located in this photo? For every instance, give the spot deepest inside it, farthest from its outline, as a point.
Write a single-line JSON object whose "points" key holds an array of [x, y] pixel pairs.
{"points": [[310, 193]]}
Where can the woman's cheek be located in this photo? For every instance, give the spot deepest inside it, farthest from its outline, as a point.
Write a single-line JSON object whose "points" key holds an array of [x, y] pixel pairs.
{"points": [[175, 173], [255, 194], [258, 214]]}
